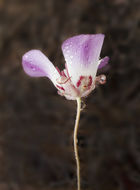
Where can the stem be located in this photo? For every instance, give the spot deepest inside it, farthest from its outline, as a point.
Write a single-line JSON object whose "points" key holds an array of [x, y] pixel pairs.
{"points": [[76, 141]]}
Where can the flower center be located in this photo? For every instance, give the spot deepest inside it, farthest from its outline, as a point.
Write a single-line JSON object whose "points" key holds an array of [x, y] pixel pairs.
{"points": [[66, 88], [84, 83]]}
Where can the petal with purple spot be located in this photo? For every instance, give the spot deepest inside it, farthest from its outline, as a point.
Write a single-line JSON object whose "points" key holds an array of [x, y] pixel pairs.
{"points": [[81, 54], [103, 62], [36, 64]]}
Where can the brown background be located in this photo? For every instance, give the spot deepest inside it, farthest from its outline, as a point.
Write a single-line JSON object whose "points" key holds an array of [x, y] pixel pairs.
{"points": [[36, 125]]}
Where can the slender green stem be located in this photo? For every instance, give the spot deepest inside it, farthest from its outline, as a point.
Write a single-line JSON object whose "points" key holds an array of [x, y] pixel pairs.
{"points": [[76, 141]]}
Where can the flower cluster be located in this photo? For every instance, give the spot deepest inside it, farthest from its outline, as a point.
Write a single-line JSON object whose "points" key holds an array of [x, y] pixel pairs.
{"points": [[78, 79]]}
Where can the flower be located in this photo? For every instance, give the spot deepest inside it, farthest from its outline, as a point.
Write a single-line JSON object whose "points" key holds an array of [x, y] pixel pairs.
{"points": [[78, 79]]}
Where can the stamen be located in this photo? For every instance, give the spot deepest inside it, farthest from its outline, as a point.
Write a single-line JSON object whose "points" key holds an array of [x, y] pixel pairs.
{"points": [[62, 80], [67, 80]]}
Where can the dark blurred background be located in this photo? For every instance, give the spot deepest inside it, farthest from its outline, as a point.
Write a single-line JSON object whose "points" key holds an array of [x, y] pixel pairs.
{"points": [[36, 125]]}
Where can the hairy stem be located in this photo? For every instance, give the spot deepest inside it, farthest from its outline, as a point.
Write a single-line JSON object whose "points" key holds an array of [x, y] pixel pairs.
{"points": [[76, 141]]}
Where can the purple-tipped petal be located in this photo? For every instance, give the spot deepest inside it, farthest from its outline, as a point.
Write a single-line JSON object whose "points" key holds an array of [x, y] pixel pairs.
{"points": [[103, 62], [82, 54], [36, 64]]}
